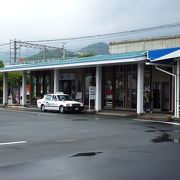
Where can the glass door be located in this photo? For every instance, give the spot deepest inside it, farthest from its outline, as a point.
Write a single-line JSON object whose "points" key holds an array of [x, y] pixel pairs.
{"points": [[161, 96], [108, 90], [131, 98], [165, 96], [67, 87], [119, 98], [156, 96]]}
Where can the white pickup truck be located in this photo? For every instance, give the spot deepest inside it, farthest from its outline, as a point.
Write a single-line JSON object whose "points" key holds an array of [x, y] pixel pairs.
{"points": [[59, 102]]}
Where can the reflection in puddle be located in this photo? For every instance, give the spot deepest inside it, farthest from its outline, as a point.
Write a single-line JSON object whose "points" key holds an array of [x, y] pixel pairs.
{"points": [[165, 138]]}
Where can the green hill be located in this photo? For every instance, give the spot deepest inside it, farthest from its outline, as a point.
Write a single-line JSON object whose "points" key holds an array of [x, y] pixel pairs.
{"points": [[94, 49], [97, 49], [51, 54]]}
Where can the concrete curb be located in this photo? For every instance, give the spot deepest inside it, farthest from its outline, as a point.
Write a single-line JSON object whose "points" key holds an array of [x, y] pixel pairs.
{"points": [[28, 109], [20, 108]]}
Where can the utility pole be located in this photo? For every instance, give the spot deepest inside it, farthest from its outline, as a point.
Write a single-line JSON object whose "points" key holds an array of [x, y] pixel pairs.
{"points": [[10, 53], [15, 51], [15, 47], [63, 52], [44, 53]]}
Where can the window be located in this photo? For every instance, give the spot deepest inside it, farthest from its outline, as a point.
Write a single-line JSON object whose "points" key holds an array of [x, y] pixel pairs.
{"points": [[48, 98], [54, 98], [64, 98]]}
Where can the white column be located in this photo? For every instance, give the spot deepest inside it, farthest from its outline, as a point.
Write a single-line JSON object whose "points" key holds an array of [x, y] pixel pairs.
{"points": [[177, 91], [174, 90], [5, 88], [24, 93], [56, 80], [140, 88], [98, 88]]}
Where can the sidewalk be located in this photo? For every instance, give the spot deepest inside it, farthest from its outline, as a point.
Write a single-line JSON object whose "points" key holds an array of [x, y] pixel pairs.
{"points": [[151, 117]]}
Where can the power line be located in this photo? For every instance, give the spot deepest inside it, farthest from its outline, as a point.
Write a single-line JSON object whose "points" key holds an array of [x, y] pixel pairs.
{"points": [[5, 44], [165, 26]]}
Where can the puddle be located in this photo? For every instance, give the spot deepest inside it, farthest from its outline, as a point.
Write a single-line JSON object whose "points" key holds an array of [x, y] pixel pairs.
{"points": [[164, 130], [165, 138], [86, 154], [152, 127], [176, 131], [79, 120], [150, 131]]}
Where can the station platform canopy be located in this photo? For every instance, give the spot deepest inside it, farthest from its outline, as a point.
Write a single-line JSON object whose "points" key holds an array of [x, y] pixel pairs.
{"points": [[162, 56]]}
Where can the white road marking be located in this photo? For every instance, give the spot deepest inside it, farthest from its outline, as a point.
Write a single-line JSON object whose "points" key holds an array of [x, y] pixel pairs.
{"points": [[163, 122], [67, 140], [11, 143]]}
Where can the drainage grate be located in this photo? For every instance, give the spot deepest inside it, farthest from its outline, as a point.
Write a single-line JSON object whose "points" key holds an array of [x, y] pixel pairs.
{"points": [[86, 154]]}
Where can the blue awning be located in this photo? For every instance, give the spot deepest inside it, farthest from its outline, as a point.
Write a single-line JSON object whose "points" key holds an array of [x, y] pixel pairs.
{"points": [[163, 54]]}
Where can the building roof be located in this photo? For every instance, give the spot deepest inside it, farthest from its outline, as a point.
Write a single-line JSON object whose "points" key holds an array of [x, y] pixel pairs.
{"points": [[163, 54], [145, 39], [130, 57]]}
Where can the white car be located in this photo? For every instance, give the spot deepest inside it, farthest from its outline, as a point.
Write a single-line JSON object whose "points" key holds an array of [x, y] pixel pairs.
{"points": [[59, 102]]}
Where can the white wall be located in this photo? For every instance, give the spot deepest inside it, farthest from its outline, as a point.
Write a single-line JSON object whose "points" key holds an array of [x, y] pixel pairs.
{"points": [[144, 44]]}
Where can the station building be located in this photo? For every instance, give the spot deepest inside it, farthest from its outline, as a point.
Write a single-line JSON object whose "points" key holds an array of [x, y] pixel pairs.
{"points": [[134, 75]]}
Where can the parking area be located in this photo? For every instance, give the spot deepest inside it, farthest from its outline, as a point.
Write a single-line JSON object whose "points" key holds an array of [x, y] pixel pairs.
{"points": [[36, 145]]}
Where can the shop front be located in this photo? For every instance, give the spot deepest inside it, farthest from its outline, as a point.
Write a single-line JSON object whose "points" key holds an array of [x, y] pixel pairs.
{"points": [[123, 82], [120, 87]]}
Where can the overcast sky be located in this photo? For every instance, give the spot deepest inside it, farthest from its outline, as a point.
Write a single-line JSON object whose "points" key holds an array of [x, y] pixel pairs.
{"points": [[50, 19]]}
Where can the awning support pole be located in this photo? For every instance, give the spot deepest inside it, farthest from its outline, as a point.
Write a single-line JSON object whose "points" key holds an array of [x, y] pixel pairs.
{"points": [[176, 113], [140, 88]]}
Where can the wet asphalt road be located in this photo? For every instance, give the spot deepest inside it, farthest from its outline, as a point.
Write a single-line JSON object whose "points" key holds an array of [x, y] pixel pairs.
{"points": [[52, 146]]}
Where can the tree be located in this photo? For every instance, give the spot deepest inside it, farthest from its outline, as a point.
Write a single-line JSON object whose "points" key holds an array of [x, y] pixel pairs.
{"points": [[82, 55], [1, 64], [14, 80]]}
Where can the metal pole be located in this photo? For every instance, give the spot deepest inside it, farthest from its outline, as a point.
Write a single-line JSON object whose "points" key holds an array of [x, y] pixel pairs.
{"points": [[10, 56], [44, 53], [175, 97], [63, 53], [15, 51], [177, 93]]}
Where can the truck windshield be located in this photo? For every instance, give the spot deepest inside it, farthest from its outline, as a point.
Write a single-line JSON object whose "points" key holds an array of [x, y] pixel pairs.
{"points": [[64, 98]]}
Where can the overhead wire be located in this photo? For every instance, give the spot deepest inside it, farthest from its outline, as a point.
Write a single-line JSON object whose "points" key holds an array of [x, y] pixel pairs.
{"points": [[116, 34]]}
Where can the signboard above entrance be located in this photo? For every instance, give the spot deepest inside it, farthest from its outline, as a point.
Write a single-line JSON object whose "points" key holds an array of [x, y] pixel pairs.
{"points": [[66, 76]]}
